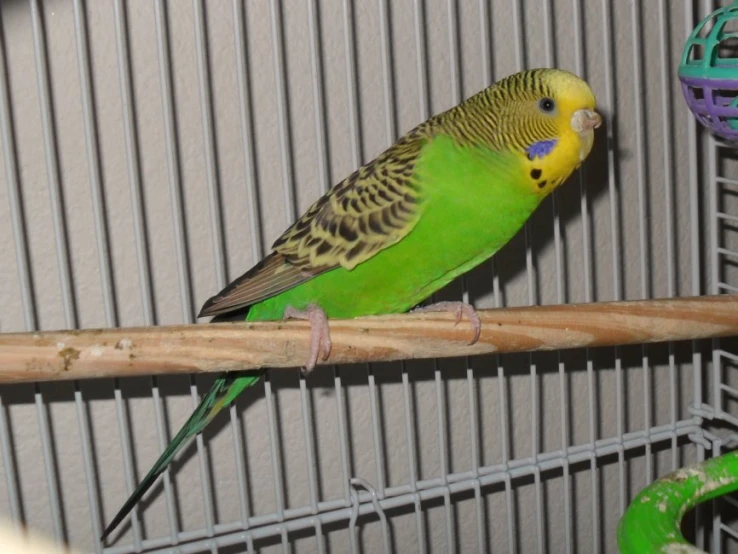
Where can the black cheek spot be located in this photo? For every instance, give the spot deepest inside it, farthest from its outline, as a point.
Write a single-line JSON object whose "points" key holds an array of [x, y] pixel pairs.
{"points": [[542, 184], [535, 173]]}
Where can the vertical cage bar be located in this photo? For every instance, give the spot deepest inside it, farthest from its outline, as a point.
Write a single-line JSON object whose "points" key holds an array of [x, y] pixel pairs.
{"points": [[424, 112], [247, 129], [252, 197], [385, 44], [52, 166], [443, 455], [457, 94], [642, 221], [530, 271], [139, 229], [352, 92], [211, 168], [717, 538], [696, 278], [175, 179], [504, 454], [376, 436], [717, 401], [412, 459], [388, 84], [23, 264], [207, 493], [614, 199], [83, 427], [134, 165], [283, 122], [12, 177], [283, 117], [352, 98], [49, 466], [104, 258], [162, 436], [313, 492], [477, 456], [14, 503], [277, 472], [105, 261], [325, 179], [62, 252], [125, 437], [180, 225], [668, 212], [421, 60]]}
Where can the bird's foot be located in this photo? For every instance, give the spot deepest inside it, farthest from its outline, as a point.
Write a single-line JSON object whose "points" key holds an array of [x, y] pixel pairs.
{"points": [[460, 309], [320, 335]]}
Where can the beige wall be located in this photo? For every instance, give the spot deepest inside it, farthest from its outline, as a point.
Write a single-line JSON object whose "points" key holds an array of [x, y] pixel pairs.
{"points": [[96, 414]]}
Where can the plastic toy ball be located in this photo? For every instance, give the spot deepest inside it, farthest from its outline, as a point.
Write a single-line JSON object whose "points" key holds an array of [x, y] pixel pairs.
{"points": [[709, 72]]}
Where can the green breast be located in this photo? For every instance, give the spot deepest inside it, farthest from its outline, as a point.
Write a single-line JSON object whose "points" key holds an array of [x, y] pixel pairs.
{"points": [[475, 201]]}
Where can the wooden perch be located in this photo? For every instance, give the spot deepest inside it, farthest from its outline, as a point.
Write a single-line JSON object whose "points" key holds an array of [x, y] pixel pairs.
{"points": [[46, 356]]}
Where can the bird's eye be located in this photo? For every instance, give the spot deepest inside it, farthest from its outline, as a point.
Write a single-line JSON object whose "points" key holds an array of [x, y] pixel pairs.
{"points": [[546, 105]]}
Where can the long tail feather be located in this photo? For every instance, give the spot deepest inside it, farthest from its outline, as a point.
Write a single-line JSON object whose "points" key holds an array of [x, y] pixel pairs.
{"points": [[222, 393]]}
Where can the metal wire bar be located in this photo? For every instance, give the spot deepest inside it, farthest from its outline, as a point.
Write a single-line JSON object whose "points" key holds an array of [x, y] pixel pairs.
{"points": [[334, 511], [175, 179], [316, 65], [410, 432], [211, 168], [23, 268], [207, 493], [12, 178], [283, 118], [142, 253], [104, 258], [53, 173], [719, 178], [696, 258], [561, 297], [105, 262], [163, 439], [247, 140], [180, 225], [356, 159], [277, 472], [614, 202], [9, 469], [62, 250], [456, 82], [727, 253], [668, 201], [644, 248], [412, 460], [283, 121], [247, 130]]}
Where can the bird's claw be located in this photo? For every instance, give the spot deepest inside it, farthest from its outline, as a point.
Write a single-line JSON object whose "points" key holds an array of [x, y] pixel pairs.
{"points": [[459, 309], [320, 337]]}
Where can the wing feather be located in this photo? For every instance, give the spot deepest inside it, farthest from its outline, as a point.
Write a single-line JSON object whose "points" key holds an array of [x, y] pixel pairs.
{"points": [[370, 210]]}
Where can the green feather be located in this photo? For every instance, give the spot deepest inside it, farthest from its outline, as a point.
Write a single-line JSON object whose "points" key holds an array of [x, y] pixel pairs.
{"points": [[225, 389]]}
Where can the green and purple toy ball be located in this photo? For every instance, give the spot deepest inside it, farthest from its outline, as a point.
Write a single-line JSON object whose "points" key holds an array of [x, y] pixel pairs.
{"points": [[709, 72]]}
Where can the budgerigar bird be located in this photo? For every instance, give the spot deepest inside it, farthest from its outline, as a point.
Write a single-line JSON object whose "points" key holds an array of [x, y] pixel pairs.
{"points": [[440, 201]]}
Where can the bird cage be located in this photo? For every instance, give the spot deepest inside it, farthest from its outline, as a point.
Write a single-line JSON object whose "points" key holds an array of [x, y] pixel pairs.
{"points": [[153, 151]]}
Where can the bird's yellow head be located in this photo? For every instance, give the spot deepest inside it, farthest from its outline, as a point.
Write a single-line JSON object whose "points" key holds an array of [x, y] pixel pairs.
{"points": [[547, 115]]}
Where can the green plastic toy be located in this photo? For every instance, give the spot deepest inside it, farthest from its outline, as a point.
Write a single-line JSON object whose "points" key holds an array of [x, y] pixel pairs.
{"points": [[652, 521]]}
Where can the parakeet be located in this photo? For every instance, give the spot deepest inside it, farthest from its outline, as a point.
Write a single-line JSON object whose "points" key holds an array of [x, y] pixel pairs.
{"points": [[440, 201]]}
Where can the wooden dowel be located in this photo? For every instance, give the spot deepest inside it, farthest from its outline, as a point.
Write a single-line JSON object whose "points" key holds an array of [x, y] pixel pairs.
{"points": [[54, 355]]}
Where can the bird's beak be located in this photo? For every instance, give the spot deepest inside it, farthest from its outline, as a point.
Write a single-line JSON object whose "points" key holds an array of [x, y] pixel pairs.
{"points": [[585, 120]]}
